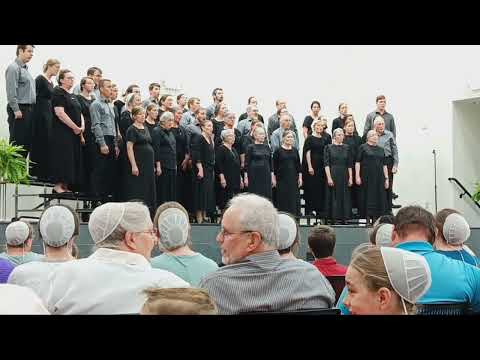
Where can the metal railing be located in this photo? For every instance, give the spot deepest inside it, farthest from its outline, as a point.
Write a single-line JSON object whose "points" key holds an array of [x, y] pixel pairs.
{"points": [[465, 191]]}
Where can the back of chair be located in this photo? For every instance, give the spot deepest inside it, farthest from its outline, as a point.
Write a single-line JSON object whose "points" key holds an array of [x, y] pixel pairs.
{"points": [[338, 283], [311, 312], [443, 309]]}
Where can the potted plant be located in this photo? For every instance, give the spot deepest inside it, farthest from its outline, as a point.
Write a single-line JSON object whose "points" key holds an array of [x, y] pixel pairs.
{"points": [[13, 166]]}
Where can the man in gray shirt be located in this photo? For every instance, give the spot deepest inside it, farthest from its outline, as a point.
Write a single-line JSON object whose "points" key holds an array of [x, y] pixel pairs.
{"points": [[386, 140], [255, 278], [21, 97], [104, 132], [217, 94], [95, 74], [274, 120], [389, 120], [245, 125], [189, 117], [154, 90]]}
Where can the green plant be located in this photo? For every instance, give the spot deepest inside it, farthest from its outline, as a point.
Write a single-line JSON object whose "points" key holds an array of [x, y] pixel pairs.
{"points": [[476, 194], [13, 166]]}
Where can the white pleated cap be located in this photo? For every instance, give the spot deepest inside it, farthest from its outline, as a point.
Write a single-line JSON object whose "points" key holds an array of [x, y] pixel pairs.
{"points": [[173, 227], [106, 218], [19, 300], [288, 231], [384, 235], [17, 233], [57, 225], [408, 272], [456, 229]]}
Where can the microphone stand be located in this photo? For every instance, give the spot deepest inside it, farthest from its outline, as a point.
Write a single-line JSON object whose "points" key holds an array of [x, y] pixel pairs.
{"points": [[435, 176]]}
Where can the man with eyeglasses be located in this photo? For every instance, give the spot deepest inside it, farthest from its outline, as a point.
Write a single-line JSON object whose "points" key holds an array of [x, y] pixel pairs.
{"points": [[112, 280], [255, 278]]}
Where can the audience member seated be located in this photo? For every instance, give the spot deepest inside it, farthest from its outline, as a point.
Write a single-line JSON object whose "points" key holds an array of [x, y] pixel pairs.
{"points": [[384, 219], [386, 281], [180, 301], [289, 238], [58, 226], [255, 278], [19, 237], [6, 267], [173, 229], [321, 242], [452, 232], [381, 235], [453, 282], [19, 300], [111, 280]]}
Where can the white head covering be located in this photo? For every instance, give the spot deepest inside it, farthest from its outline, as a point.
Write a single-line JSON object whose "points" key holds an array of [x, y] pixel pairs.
{"points": [[57, 225], [173, 226], [408, 273], [456, 229], [384, 235], [288, 231], [19, 300], [107, 217], [16, 233]]}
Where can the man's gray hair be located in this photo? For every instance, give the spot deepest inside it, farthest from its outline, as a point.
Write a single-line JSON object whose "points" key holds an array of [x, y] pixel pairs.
{"points": [[166, 116], [371, 133], [336, 131], [227, 132], [378, 119], [250, 108], [258, 214]]}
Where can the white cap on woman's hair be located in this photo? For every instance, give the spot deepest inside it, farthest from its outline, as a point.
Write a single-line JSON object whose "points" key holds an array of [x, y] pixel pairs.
{"points": [[409, 273], [288, 231], [384, 235], [57, 225], [19, 300], [456, 229], [17, 233], [173, 227]]}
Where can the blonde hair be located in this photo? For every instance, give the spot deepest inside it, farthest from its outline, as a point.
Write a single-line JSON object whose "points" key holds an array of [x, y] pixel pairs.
{"points": [[178, 301], [50, 62]]}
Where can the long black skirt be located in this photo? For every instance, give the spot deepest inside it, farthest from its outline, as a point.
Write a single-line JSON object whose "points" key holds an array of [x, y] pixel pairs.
{"points": [[204, 191], [166, 186]]}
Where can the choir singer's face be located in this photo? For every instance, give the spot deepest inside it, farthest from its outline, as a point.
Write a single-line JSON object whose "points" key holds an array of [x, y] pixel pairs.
{"points": [[259, 135]]}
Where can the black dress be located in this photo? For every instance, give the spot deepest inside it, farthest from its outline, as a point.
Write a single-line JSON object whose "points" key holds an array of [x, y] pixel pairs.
{"points": [[90, 146], [150, 127], [286, 167], [338, 204], [354, 142], [307, 122], [228, 164], [373, 196], [314, 186], [41, 128], [259, 167], [204, 188], [66, 163], [125, 121], [164, 146], [218, 127], [141, 187], [119, 104], [184, 178]]}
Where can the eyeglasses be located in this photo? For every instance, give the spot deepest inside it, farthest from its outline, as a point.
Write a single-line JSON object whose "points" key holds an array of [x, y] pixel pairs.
{"points": [[224, 233], [152, 232]]}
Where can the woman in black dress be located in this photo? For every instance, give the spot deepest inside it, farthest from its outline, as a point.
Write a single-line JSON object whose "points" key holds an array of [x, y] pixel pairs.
{"points": [[164, 145], [248, 140], [126, 119], [227, 162], [151, 118], [184, 183], [203, 159], [140, 179], [259, 177], [338, 168], [219, 123], [229, 124], [42, 121], [372, 178], [353, 140], [288, 175], [309, 119], [314, 171], [341, 121], [85, 98], [66, 163]]}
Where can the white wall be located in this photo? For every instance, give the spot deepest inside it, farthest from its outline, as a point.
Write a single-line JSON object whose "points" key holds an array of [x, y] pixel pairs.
{"points": [[466, 162], [420, 83]]}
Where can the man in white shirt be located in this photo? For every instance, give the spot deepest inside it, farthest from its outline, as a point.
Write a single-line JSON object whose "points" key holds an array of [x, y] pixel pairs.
{"points": [[112, 280]]}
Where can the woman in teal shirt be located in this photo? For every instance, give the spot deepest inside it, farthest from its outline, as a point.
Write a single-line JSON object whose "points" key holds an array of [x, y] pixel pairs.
{"points": [[173, 228]]}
